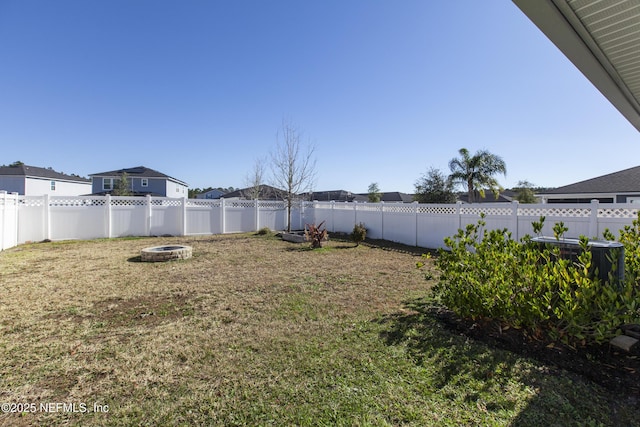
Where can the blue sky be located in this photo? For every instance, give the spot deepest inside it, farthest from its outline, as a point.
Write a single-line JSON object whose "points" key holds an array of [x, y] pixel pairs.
{"points": [[383, 89]]}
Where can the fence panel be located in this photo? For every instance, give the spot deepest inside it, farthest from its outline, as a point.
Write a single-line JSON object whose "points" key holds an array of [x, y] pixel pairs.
{"points": [[166, 217], [8, 220], [434, 223], [204, 216], [239, 216], [400, 223], [75, 217], [373, 217], [273, 214]]}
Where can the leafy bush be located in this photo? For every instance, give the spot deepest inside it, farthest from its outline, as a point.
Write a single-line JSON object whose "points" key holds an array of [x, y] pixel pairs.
{"points": [[358, 234], [487, 274], [316, 234], [264, 231]]}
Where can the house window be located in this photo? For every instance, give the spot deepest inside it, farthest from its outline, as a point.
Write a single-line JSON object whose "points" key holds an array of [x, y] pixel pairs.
{"points": [[53, 186], [107, 184], [145, 182]]}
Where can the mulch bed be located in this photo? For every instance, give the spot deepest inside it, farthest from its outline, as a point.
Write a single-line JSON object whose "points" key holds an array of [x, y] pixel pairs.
{"points": [[605, 365]]}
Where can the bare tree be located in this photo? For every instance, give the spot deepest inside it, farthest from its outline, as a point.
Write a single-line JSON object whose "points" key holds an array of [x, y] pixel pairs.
{"points": [[293, 165], [255, 178]]}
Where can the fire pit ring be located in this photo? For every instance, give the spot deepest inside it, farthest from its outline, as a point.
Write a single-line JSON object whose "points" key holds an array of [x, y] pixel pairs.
{"points": [[165, 253]]}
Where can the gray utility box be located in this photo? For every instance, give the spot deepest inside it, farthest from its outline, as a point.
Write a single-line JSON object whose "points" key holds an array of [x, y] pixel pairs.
{"points": [[604, 254]]}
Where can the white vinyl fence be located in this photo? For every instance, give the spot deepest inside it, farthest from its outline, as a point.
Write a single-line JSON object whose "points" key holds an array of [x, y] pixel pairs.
{"points": [[427, 225], [27, 218]]}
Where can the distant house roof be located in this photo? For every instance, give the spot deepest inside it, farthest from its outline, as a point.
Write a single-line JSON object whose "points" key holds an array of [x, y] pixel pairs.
{"points": [[396, 196], [140, 172], [36, 172], [265, 192], [505, 196], [336, 196], [627, 180]]}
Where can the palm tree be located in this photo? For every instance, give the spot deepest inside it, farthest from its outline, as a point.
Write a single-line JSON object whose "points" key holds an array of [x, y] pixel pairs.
{"points": [[477, 171]]}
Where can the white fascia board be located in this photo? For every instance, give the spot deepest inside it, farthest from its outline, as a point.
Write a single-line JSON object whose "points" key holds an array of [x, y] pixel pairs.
{"points": [[582, 53]]}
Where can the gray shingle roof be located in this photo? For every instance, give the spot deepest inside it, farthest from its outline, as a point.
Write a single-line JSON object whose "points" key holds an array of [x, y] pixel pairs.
{"points": [[34, 171], [138, 171], [627, 180]]}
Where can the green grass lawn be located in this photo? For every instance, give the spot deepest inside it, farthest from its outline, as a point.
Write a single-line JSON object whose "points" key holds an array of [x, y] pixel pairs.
{"points": [[256, 331]]}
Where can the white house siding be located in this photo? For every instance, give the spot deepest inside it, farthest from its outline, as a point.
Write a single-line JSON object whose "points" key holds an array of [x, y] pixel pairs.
{"points": [[176, 190], [41, 186]]}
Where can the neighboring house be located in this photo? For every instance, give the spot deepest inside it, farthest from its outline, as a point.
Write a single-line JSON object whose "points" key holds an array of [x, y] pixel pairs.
{"points": [[505, 196], [34, 181], [265, 192], [142, 181], [396, 196], [617, 187], [336, 196], [211, 194]]}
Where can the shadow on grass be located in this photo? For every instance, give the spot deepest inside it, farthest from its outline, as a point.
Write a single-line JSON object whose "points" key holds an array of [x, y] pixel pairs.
{"points": [[465, 371]]}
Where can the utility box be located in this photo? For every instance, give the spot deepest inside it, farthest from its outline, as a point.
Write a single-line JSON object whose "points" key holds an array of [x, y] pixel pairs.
{"points": [[604, 254]]}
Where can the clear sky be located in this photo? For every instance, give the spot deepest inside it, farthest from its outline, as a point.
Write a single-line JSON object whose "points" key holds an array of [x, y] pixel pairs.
{"points": [[384, 90]]}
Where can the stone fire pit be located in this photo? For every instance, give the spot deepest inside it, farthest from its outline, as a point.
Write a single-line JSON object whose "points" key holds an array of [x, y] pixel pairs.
{"points": [[165, 253]]}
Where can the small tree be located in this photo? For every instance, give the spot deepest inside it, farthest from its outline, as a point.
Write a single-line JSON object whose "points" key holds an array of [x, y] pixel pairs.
{"points": [[255, 178], [525, 192], [121, 186], [293, 170], [434, 187], [374, 193]]}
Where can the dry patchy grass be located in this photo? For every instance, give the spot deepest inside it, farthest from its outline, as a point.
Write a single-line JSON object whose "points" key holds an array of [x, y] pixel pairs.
{"points": [[88, 322], [256, 331]]}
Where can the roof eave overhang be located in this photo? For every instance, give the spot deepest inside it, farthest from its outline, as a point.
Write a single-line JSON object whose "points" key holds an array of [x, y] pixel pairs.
{"points": [[564, 30]]}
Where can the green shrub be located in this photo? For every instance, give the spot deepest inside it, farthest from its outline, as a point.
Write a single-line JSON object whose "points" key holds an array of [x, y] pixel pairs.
{"points": [[487, 274], [264, 231], [358, 234]]}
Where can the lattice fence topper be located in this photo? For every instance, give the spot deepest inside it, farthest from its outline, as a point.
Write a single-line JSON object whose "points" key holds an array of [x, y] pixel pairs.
{"points": [[31, 201], [172, 202], [370, 207], [203, 203], [487, 211], [618, 212], [405, 208], [343, 206], [240, 204], [75, 201], [442, 210], [271, 204], [555, 212], [117, 201]]}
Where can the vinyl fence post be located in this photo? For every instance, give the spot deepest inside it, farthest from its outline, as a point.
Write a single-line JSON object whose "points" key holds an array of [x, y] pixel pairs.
{"points": [[593, 219], [222, 221], [459, 214], [148, 215], [333, 217], [382, 219], [107, 205], [47, 218], [355, 213], [514, 219], [256, 212], [16, 221], [184, 216], [3, 212], [415, 203]]}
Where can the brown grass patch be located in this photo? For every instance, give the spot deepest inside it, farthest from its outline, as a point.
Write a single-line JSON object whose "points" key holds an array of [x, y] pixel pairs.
{"points": [[86, 322]]}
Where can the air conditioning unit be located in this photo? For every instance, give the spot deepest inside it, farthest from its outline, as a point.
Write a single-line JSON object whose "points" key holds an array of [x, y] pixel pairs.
{"points": [[604, 254]]}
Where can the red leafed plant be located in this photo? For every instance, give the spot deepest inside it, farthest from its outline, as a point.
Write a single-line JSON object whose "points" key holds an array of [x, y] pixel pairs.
{"points": [[316, 234]]}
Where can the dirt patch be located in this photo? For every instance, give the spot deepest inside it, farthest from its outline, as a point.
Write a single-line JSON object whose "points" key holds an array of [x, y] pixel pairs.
{"points": [[145, 310]]}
